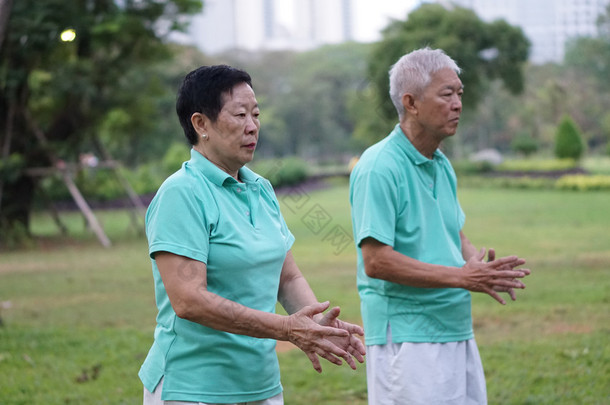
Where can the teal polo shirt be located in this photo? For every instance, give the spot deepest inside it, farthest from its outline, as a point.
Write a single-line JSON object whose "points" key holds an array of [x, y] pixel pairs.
{"points": [[237, 229], [407, 201]]}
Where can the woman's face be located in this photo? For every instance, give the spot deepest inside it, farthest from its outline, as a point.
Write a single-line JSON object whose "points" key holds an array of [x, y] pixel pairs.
{"points": [[231, 140]]}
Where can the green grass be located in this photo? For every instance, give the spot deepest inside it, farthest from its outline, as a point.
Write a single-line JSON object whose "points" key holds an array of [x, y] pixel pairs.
{"points": [[81, 317]]}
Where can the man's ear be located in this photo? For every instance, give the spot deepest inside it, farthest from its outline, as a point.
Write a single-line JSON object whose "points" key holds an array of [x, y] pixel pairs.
{"points": [[408, 102], [199, 122]]}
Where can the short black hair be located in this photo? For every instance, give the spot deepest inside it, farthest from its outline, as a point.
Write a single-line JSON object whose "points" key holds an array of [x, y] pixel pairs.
{"points": [[201, 91]]}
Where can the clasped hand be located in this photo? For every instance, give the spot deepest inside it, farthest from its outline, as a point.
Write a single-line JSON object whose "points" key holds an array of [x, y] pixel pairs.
{"points": [[325, 336], [493, 276]]}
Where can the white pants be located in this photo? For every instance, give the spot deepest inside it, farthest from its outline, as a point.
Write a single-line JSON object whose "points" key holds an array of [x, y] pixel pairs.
{"points": [[155, 399], [425, 373]]}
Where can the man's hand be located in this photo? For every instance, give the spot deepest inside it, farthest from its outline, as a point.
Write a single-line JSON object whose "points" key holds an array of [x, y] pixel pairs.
{"points": [[494, 275], [491, 256]]}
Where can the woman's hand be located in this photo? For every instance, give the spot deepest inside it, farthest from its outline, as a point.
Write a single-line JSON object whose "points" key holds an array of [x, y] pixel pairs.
{"points": [[352, 344], [317, 339]]}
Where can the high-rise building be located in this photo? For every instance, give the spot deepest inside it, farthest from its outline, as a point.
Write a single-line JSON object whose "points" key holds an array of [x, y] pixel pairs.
{"points": [[305, 24], [548, 24], [270, 24]]}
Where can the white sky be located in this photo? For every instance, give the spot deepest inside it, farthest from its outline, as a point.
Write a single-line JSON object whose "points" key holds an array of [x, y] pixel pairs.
{"points": [[371, 16]]}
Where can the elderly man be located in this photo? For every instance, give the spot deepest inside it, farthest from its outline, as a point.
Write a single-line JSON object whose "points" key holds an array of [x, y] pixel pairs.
{"points": [[416, 267]]}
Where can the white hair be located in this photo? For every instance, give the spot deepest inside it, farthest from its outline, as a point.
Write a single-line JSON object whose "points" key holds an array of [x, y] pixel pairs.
{"points": [[412, 72]]}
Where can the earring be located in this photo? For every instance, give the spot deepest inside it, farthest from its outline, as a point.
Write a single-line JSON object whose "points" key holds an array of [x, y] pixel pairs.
{"points": [[204, 136]]}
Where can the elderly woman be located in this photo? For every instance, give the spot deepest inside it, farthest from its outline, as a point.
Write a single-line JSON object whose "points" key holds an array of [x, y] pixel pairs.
{"points": [[221, 259]]}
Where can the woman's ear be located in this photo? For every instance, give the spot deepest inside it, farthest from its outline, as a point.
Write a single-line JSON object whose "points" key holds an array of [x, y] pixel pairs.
{"points": [[199, 122], [408, 102]]}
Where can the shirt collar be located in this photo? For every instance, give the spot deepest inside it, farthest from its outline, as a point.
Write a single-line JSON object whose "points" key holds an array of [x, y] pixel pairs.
{"points": [[407, 147], [216, 175]]}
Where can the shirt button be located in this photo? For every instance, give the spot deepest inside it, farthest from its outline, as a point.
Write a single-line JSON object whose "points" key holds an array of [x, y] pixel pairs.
{"points": [[238, 190], [248, 213]]}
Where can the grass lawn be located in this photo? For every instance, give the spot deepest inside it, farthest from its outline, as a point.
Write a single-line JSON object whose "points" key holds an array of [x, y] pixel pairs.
{"points": [[78, 318]]}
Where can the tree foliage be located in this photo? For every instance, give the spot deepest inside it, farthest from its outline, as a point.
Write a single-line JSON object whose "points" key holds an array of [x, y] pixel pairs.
{"points": [[587, 63], [53, 94], [587, 46], [484, 51], [305, 98]]}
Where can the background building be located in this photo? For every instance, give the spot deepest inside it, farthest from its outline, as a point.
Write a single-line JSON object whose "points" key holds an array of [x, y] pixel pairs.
{"points": [[305, 24], [271, 24], [547, 23]]}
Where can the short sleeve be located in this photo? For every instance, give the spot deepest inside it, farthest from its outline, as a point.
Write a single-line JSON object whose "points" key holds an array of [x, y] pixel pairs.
{"points": [[453, 181], [176, 222], [286, 234], [374, 199]]}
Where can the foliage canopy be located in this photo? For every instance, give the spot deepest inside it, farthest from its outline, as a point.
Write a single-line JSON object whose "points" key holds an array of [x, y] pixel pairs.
{"points": [[54, 93], [484, 51]]}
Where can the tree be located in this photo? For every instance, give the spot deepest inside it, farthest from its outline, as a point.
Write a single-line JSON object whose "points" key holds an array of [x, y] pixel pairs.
{"points": [[591, 55], [54, 94], [568, 140], [305, 97], [484, 51], [316, 110]]}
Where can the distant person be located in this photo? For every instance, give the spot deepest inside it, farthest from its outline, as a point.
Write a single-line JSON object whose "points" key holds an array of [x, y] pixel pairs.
{"points": [[221, 260], [415, 265]]}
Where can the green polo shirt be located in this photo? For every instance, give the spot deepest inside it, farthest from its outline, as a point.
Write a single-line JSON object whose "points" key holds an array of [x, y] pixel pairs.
{"points": [[236, 229], [407, 201]]}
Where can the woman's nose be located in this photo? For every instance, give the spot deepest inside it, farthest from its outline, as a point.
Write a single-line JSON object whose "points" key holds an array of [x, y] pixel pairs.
{"points": [[252, 124]]}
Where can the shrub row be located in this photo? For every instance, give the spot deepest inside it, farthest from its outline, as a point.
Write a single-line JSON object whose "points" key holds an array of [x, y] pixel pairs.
{"points": [[567, 182], [104, 185], [583, 183]]}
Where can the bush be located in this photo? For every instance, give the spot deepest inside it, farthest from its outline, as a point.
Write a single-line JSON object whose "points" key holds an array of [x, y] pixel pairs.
{"points": [[537, 165], [176, 154], [468, 167], [567, 182], [99, 184], [524, 144], [146, 178], [583, 183], [568, 140], [522, 182], [282, 172], [11, 167]]}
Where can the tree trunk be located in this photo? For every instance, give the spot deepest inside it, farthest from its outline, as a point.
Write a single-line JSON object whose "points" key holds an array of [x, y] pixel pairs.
{"points": [[5, 12], [17, 199]]}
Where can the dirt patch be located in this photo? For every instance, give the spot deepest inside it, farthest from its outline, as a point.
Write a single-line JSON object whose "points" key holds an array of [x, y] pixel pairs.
{"points": [[6, 268], [563, 328]]}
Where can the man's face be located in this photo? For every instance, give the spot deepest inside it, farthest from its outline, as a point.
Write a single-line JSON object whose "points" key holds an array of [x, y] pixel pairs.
{"points": [[440, 105]]}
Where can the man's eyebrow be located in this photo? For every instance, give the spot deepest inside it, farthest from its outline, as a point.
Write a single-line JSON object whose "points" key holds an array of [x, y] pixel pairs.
{"points": [[452, 87]]}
